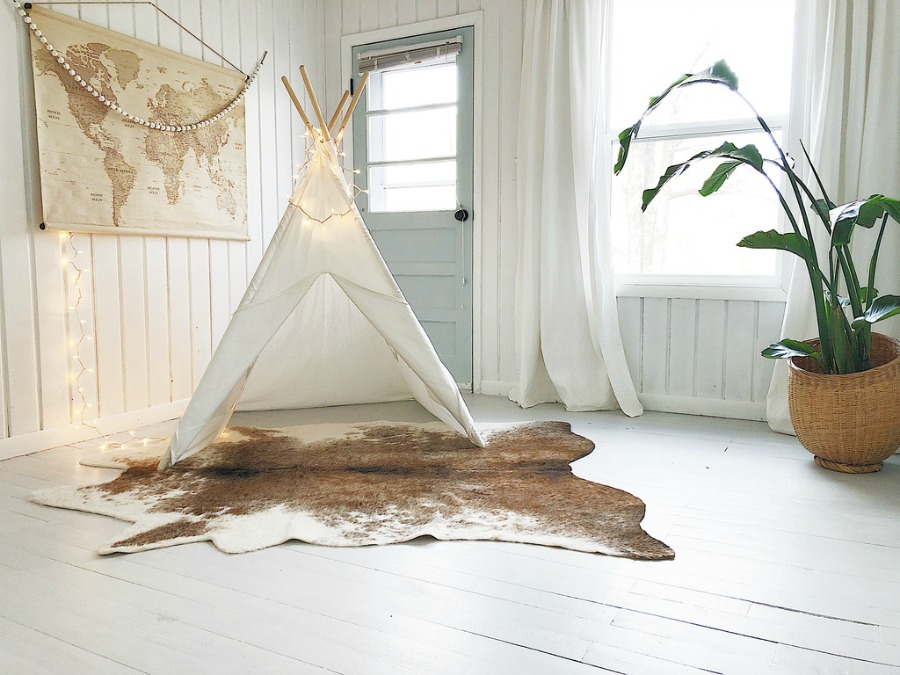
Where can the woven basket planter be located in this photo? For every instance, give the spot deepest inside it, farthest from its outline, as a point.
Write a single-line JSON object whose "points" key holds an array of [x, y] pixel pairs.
{"points": [[851, 423]]}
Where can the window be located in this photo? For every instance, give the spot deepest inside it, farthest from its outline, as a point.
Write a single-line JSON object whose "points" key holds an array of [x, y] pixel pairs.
{"points": [[684, 238], [411, 120]]}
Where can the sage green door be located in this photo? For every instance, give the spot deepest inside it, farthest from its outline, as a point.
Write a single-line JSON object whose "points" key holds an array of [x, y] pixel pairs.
{"points": [[413, 149]]}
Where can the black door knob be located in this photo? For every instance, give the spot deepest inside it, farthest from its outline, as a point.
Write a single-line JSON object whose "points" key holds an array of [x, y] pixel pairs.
{"points": [[461, 215]]}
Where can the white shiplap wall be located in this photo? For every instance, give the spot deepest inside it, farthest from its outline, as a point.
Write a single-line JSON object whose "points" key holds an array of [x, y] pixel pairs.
{"points": [[155, 307], [700, 356]]}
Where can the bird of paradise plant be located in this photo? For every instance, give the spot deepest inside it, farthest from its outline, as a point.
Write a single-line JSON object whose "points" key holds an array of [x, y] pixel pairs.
{"points": [[846, 305]]}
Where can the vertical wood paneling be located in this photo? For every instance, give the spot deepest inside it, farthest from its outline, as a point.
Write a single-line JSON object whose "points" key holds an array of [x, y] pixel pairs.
{"points": [[349, 17], [368, 16], [682, 338], [16, 255], [768, 330], [157, 319], [630, 322], [447, 8], [654, 346], [406, 12], [426, 9], [387, 13], [250, 52], [740, 340], [710, 354]]}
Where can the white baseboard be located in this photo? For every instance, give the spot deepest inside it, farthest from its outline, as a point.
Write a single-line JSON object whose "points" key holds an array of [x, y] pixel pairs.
{"points": [[495, 388], [36, 441], [710, 407]]}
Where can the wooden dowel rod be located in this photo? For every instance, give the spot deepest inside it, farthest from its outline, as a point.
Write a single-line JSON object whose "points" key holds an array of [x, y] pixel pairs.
{"points": [[337, 111], [352, 106], [315, 104], [296, 101]]}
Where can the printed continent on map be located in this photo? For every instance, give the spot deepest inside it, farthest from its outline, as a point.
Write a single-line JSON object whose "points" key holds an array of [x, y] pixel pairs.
{"points": [[92, 62], [99, 169]]}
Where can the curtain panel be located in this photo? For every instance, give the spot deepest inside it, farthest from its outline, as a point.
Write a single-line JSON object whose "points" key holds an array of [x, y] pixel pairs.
{"points": [[569, 344]]}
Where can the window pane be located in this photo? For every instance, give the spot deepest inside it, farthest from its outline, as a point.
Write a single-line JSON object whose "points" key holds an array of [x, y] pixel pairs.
{"points": [[754, 36], [416, 86], [682, 233], [395, 137], [413, 187]]}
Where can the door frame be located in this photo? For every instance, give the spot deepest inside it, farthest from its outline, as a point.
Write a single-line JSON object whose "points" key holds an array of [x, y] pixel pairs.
{"points": [[474, 20]]}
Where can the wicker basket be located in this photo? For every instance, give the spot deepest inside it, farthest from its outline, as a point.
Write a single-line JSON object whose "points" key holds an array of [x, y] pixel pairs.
{"points": [[851, 423]]}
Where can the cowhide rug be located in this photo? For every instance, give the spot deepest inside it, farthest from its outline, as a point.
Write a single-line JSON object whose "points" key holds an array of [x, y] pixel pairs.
{"points": [[374, 483]]}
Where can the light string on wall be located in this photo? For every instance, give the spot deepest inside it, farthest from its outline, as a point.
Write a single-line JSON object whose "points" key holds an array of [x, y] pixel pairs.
{"points": [[77, 338], [80, 403], [181, 127]]}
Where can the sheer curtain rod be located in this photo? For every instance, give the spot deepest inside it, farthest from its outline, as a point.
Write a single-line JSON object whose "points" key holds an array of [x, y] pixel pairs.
{"points": [[159, 9]]}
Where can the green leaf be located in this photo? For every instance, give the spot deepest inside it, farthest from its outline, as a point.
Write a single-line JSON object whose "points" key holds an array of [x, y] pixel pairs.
{"points": [[718, 73], [867, 294], [883, 308], [787, 348], [749, 154], [863, 212], [625, 137], [780, 241], [719, 176], [822, 207]]}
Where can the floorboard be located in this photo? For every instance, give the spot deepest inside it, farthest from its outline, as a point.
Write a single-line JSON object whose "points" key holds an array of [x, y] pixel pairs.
{"points": [[780, 567]]}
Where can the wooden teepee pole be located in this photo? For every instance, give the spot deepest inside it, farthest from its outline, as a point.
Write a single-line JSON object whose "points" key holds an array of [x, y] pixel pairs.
{"points": [[352, 107], [296, 101], [337, 111], [315, 104]]}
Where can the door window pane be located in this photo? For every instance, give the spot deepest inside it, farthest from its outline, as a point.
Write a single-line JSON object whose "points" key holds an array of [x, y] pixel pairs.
{"points": [[397, 137], [413, 187], [414, 87]]}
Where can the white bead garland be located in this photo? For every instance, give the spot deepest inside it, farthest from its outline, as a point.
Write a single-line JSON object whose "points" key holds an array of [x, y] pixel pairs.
{"points": [[112, 105]]}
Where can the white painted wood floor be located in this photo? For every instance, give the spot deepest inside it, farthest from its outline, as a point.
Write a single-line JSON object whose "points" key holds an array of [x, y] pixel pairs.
{"points": [[781, 567]]}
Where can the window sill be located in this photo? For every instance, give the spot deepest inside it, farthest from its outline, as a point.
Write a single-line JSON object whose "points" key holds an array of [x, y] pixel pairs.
{"points": [[702, 292]]}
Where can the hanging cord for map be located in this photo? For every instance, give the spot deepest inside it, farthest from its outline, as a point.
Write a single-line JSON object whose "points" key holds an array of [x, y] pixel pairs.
{"points": [[183, 126], [78, 335]]}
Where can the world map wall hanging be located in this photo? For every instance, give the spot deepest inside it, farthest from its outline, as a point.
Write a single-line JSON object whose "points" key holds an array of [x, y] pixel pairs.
{"points": [[141, 172]]}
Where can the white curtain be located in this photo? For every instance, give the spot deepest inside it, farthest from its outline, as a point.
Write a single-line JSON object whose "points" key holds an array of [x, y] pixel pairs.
{"points": [[569, 345], [852, 98]]}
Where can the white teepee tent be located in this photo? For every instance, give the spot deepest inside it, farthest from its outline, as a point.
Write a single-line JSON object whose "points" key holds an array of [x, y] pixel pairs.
{"points": [[323, 321]]}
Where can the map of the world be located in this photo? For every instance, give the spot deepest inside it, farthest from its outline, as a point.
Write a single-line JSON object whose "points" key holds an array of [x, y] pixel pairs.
{"points": [[101, 172]]}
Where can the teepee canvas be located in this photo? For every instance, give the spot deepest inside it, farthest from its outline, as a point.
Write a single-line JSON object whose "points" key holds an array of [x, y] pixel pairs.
{"points": [[322, 322]]}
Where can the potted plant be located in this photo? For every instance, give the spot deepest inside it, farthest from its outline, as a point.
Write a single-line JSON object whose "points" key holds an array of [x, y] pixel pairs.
{"points": [[844, 385]]}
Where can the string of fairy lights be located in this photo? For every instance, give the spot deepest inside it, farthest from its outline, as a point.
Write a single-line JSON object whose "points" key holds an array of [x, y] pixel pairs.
{"points": [[79, 333]]}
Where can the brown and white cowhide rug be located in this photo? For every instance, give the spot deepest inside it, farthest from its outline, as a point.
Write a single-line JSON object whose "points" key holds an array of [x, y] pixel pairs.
{"points": [[373, 483]]}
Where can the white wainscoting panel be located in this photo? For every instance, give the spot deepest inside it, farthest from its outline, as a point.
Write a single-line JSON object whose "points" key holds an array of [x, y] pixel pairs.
{"points": [[153, 308], [700, 356]]}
